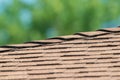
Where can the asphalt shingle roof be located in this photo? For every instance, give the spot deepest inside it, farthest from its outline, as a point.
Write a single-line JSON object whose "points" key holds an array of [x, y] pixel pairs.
{"points": [[83, 56]]}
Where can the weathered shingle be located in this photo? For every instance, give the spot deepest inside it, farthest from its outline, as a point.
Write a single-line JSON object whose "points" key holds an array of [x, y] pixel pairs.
{"points": [[82, 56]]}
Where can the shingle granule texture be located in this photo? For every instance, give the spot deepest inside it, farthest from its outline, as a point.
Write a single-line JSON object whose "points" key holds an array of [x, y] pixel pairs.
{"points": [[82, 56]]}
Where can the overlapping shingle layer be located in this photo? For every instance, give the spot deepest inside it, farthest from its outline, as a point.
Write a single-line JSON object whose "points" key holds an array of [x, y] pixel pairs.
{"points": [[82, 56]]}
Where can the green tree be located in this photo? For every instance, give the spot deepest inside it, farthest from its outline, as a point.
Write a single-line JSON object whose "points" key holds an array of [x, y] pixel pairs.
{"points": [[48, 18]]}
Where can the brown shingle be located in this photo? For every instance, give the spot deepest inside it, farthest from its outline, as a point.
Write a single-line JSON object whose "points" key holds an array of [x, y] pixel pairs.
{"points": [[82, 56]]}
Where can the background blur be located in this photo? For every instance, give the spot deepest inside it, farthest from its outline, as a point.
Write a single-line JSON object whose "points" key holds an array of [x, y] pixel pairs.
{"points": [[26, 20]]}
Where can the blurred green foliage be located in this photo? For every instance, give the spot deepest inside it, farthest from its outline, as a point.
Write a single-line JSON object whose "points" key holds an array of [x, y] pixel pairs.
{"points": [[22, 20]]}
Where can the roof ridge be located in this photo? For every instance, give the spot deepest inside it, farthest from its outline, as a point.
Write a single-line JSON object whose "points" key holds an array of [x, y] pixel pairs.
{"points": [[104, 30], [50, 41]]}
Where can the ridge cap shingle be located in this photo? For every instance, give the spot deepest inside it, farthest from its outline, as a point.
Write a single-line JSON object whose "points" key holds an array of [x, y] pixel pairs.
{"points": [[60, 39]]}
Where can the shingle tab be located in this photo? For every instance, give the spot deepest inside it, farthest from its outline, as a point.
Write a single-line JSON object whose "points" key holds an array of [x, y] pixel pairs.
{"points": [[82, 56]]}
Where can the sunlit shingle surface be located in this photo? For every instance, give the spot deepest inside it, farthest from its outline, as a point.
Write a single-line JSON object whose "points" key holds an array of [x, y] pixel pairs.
{"points": [[82, 56]]}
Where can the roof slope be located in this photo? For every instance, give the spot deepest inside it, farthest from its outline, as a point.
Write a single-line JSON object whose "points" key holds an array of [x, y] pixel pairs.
{"points": [[82, 56]]}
